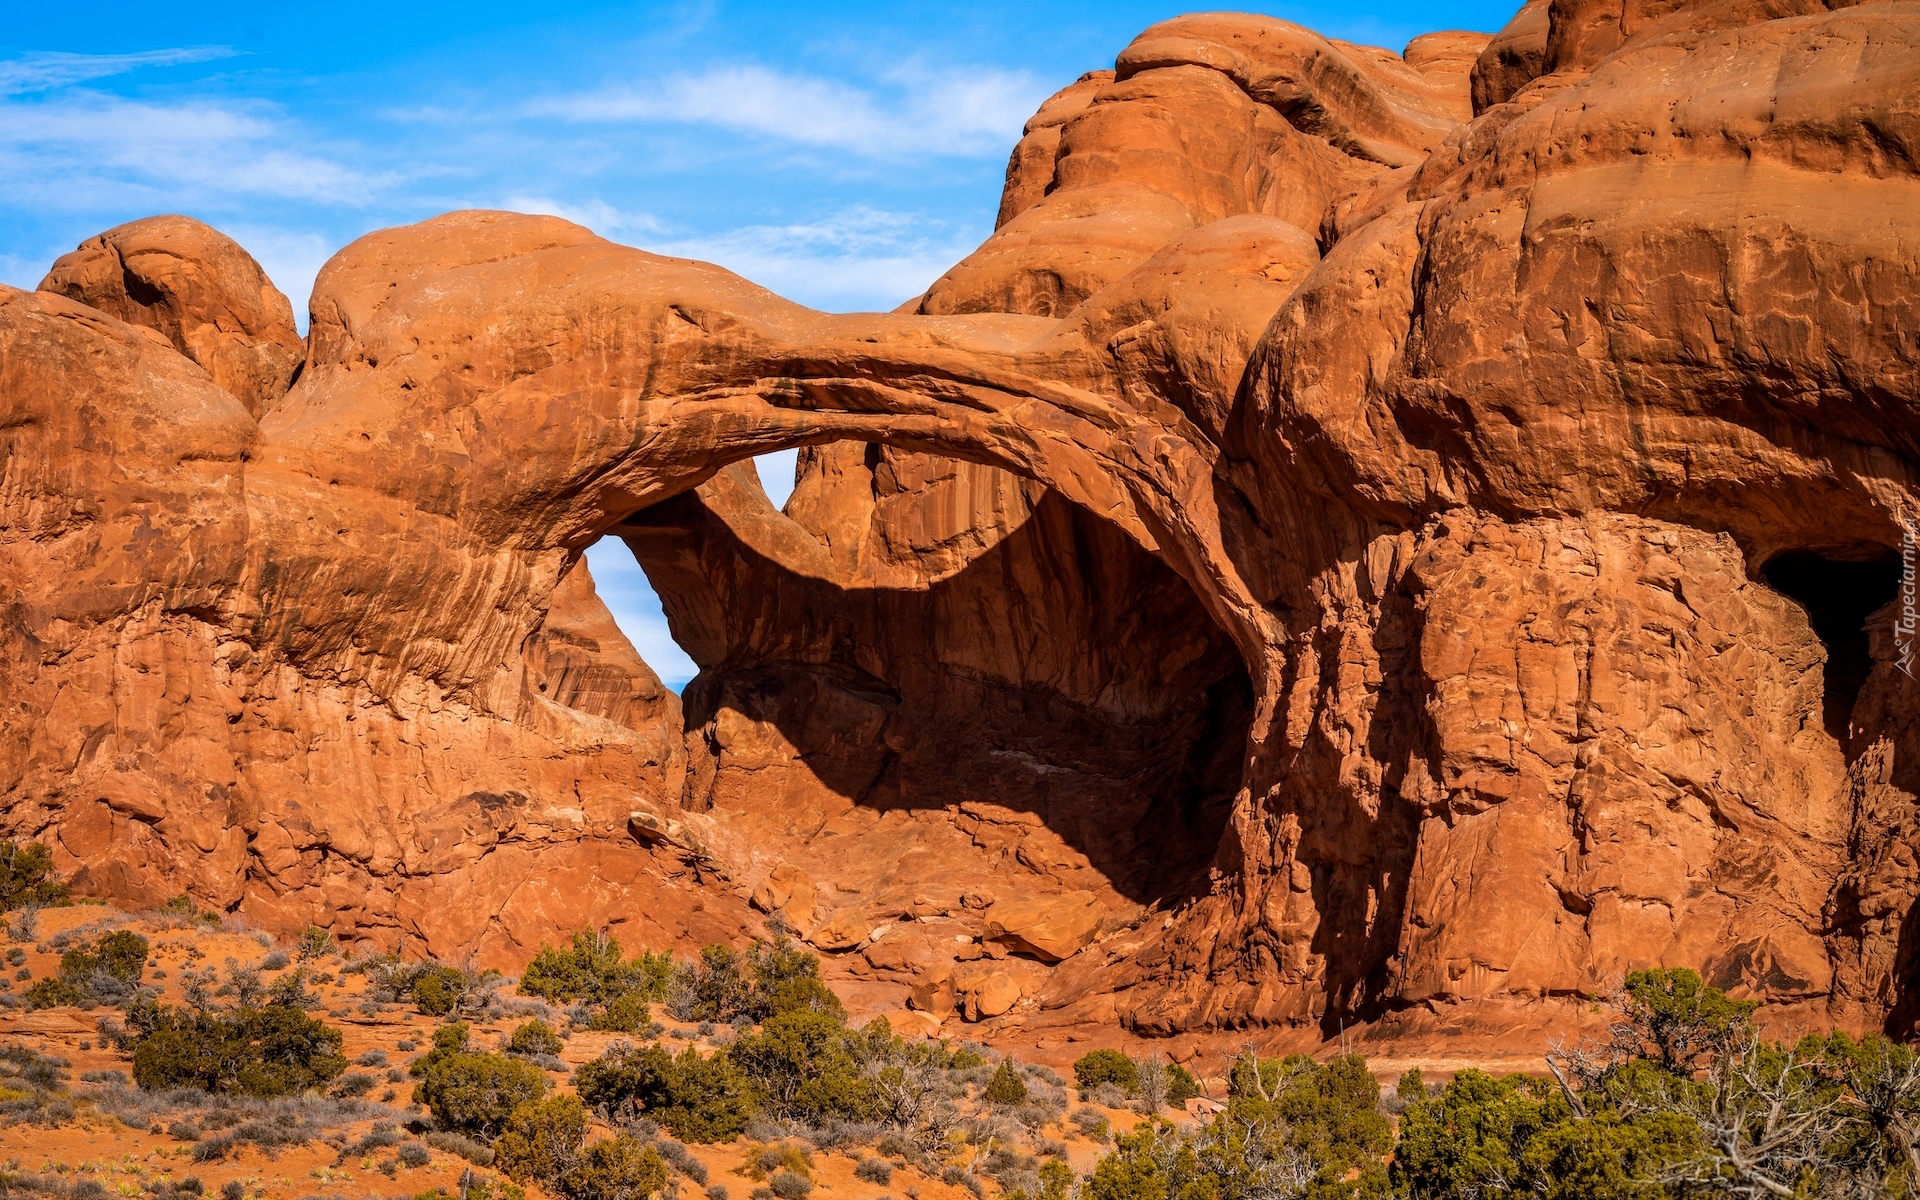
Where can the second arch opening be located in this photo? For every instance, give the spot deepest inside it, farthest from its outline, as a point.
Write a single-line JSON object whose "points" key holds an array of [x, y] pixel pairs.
{"points": [[929, 675]]}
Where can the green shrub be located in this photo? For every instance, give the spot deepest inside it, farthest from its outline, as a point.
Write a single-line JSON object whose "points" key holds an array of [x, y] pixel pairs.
{"points": [[52, 992], [26, 877], [534, 1037], [1008, 1086], [1331, 1110], [1092, 1069], [1151, 1163], [1181, 1085], [592, 970], [1056, 1180], [783, 978], [290, 990], [314, 943], [1681, 1019], [270, 1051], [770, 979], [469, 1092], [625, 1013], [1292, 1127], [697, 1099], [183, 907], [619, 1168], [1687, 1100], [714, 987], [123, 955], [106, 969], [438, 990], [803, 1065], [1620, 1125], [1475, 1132], [1482, 1134], [542, 1140]]}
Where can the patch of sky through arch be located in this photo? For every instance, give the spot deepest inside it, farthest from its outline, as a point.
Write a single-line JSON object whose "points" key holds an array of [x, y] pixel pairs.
{"points": [[636, 606]]}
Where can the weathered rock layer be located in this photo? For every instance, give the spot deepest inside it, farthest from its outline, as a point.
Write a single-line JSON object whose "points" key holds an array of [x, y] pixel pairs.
{"points": [[1369, 535]]}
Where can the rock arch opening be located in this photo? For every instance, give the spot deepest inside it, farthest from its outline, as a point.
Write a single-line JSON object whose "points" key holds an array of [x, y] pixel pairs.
{"points": [[930, 676], [1838, 596], [627, 593]]}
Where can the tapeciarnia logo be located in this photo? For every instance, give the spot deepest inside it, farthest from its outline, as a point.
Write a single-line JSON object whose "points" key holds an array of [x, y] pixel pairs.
{"points": [[1906, 623]]}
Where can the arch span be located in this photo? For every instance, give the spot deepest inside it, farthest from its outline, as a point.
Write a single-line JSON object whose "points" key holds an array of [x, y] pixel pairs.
{"points": [[607, 379]]}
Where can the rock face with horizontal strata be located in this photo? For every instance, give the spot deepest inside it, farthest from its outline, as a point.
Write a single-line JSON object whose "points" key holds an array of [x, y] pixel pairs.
{"points": [[1393, 538]]}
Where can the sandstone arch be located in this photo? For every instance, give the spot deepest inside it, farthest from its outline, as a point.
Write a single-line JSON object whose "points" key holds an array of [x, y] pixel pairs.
{"points": [[1474, 434]]}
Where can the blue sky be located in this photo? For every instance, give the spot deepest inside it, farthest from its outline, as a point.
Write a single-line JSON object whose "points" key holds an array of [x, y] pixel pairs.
{"points": [[843, 154]]}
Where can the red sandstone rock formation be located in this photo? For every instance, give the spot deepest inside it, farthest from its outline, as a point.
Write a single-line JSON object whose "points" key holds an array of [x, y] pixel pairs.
{"points": [[203, 292], [1370, 537]]}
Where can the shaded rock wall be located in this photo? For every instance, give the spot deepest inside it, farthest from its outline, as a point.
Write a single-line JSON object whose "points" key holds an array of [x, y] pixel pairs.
{"points": [[1350, 502], [923, 638]]}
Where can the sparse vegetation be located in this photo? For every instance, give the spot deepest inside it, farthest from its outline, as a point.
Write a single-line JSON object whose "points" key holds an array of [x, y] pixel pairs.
{"points": [[1007, 1087], [1683, 1099], [534, 1037], [33, 1086], [103, 972], [26, 877], [1111, 1076], [274, 1050], [768, 980], [699, 1098], [313, 944], [435, 988], [470, 1092], [593, 971]]}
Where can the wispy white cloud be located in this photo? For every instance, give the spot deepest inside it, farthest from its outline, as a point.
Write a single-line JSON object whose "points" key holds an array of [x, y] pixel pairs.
{"points": [[292, 258], [913, 110], [87, 149], [597, 215], [858, 259], [44, 70], [25, 270]]}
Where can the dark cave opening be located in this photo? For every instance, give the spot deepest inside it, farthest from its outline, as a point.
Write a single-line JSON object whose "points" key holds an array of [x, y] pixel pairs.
{"points": [[1838, 595], [932, 637]]}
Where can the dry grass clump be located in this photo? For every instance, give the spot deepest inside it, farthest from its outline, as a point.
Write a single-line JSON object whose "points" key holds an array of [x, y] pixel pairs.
{"points": [[219, 1123]]}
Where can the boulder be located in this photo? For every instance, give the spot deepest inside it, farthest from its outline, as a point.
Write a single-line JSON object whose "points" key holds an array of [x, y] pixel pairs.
{"points": [[789, 891], [980, 994], [846, 929], [198, 289], [913, 1023], [1049, 928], [933, 991]]}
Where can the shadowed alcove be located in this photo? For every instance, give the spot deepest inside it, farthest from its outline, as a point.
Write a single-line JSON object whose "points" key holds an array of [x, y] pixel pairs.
{"points": [[920, 635], [1838, 596]]}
